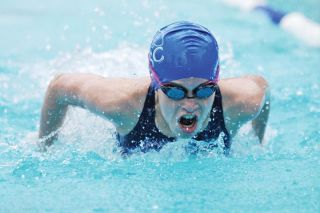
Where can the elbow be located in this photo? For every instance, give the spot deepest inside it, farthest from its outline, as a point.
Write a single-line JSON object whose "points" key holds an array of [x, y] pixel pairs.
{"points": [[256, 97], [263, 92], [62, 84], [260, 82], [57, 89], [261, 97], [64, 89], [57, 82], [259, 89]]}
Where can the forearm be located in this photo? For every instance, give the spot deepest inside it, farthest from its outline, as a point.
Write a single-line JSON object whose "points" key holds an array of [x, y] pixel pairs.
{"points": [[52, 115], [259, 124]]}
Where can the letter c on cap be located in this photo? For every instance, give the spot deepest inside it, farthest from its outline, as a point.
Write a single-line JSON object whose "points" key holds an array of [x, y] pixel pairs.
{"points": [[154, 55]]}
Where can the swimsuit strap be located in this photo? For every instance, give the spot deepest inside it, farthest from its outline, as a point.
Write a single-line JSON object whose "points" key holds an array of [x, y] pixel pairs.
{"points": [[220, 118]]}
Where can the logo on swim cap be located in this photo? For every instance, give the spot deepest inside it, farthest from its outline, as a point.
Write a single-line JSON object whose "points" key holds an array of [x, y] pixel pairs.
{"points": [[183, 50], [156, 55], [155, 51]]}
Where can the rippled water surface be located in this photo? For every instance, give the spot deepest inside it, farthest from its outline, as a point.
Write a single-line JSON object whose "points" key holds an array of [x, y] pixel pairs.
{"points": [[83, 171]]}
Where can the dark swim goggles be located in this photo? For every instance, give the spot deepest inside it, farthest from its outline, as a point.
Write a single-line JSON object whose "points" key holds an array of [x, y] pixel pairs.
{"points": [[178, 92]]}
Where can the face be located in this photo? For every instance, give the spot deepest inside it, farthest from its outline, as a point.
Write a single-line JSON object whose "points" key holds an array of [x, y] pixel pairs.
{"points": [[186, 117]]}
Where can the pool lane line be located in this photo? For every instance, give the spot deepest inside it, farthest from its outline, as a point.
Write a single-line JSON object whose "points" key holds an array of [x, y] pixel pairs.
{"points": [[301, 27]]}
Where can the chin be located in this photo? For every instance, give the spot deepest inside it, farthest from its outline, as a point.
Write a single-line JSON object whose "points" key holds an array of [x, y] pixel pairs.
{"points": [[185, 135], [186, 132]]}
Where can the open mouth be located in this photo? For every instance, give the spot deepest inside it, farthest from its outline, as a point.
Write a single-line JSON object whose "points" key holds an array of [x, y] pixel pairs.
{"points": [[188, 123]]}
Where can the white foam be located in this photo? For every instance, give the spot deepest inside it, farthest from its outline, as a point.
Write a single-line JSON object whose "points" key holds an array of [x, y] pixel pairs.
{"points": [[246, 142], [87, 132], [125, 61]]}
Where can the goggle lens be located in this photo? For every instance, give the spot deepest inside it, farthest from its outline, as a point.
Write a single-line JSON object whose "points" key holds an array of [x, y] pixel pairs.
{"points": [[177, 92], [204, 92]]}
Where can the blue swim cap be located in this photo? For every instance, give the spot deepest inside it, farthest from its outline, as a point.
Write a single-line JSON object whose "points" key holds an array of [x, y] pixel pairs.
{"points": [[183, 50]]}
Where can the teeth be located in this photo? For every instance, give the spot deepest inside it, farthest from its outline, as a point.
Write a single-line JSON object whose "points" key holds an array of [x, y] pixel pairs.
{"points": [[188, 116]]}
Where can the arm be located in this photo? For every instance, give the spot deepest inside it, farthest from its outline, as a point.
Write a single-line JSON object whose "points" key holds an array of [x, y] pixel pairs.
{"points": [[116, 99], [62, 91], [260, 122], [245, 99], [52, 114]]}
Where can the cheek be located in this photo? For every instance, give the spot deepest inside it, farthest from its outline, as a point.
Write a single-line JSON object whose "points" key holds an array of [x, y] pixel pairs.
{"points": [[168, 108], [206, 106]]}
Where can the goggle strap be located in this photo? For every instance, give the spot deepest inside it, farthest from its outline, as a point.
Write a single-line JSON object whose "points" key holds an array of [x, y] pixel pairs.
{"points": [[154, 75]]}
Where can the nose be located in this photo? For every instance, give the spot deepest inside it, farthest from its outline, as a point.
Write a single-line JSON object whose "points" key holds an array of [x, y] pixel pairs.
{"points": [[190, 105]]}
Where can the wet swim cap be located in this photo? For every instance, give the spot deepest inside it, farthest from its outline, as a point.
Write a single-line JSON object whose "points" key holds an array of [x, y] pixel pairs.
{"points": [[183, 50]]}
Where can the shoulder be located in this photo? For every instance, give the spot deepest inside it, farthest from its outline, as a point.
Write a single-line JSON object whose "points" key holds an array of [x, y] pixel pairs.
{"points": [[129, 98], [120, 100], [242, 98]]}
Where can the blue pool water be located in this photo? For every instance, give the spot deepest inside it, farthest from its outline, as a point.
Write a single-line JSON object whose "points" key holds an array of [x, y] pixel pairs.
{"points": [[83, 171]]}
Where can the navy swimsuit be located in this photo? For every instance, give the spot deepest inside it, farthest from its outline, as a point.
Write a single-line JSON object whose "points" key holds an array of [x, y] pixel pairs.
{"points": [[146, 135]]}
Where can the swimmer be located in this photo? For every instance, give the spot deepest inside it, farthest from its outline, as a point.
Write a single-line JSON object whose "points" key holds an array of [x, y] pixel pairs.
{"points": [[295, 23], [182, 98]]}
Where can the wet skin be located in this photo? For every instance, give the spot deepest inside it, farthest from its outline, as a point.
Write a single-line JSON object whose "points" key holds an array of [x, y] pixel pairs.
{"points": [[169, 111], [121, 100]]}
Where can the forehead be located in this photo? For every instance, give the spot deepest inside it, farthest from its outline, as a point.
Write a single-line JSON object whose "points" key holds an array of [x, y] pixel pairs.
{"points": [[191, 82]]}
